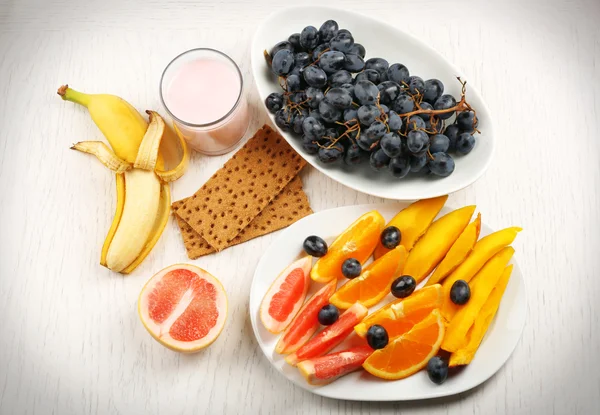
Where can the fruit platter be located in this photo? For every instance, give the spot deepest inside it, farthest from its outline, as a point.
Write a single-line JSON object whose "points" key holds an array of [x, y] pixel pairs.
{"points": [[368, 113], [338, 313]]}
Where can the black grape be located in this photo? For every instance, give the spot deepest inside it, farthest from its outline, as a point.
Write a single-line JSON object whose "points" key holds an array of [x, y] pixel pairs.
{"points": [[283, 62], [309, 37], [368, 75], [328, 30], [366, 92]]}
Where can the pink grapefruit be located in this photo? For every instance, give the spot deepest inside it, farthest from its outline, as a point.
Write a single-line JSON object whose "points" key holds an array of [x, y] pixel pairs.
{"points": [[306, 322], [331, 336], [285, 296], [183, 307], [325, 369]]}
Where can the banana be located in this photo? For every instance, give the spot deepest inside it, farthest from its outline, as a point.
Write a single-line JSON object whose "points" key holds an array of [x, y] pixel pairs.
{"points": [[143, 193], [137, 221]]}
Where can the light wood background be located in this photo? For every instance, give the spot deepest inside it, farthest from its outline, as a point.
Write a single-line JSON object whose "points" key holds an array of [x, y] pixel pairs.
{"points": [[70, 338]]}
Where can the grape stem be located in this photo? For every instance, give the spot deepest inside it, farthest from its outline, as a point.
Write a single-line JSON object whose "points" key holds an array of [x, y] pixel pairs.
{"points": [[462, 105]]}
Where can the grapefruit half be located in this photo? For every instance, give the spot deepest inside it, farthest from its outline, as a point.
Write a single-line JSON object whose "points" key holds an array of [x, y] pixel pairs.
{"points": [[183, 307], [286, 295]]}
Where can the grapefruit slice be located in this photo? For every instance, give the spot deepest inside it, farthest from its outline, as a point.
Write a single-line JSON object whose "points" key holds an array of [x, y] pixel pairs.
{"points": [[410, 352], [325, 369], [285, 296], [306, 322], [183, 307], [330, 337]]}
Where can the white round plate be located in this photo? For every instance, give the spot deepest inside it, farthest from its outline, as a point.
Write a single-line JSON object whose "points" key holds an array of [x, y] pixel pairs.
{"points": [[380, 40], [497, 346]]}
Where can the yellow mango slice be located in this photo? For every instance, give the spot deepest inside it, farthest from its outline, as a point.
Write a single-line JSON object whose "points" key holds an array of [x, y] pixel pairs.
{"points": [[413, 222], [483, 250], [436, 242], [483, 284], [465, 355], [458, 252]]}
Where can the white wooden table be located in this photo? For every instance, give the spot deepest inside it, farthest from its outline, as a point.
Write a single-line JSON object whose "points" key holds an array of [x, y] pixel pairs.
{"points": [[71, 341]]}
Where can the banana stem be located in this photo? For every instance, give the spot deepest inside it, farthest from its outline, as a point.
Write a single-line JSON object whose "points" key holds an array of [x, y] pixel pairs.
{"points": [[69, 94]]}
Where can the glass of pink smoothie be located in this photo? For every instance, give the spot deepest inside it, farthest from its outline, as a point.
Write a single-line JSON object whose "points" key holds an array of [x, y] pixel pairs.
{"points": [[202, 90]]}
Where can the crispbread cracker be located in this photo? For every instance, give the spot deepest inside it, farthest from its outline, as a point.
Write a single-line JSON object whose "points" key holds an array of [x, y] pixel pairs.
{"points": [[241, 189], [289, 206]]}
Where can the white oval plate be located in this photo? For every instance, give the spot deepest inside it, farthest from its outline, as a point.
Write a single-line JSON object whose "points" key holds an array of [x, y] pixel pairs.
{"points": [[397, 46], [497, 346]]}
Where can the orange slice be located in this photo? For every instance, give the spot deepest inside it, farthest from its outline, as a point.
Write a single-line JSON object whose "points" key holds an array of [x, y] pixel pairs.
{"points": [[401, 315], [413, 222], [410, 352], [183, 307], [357, 241], [374, 283], [284, 298]]}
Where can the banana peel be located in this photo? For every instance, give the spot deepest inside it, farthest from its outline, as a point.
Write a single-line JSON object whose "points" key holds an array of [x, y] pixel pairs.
{"points": [[481, 287], [458, 252], [465, 355], [413, 222], [436, 242], [143, 193]]}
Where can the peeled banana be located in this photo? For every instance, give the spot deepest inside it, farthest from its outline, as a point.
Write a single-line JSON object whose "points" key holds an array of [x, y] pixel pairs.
{"points": [[143, 194]]}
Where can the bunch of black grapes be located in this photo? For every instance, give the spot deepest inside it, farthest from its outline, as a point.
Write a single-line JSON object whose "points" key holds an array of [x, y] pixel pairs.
{"points": [[344, 107]]}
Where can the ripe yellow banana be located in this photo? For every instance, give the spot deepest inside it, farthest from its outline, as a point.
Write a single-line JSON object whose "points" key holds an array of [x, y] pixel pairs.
{"points": [[143, 194]]}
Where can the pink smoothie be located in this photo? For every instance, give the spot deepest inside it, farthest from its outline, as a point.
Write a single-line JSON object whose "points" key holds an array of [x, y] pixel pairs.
{"points": [[202, 91]]}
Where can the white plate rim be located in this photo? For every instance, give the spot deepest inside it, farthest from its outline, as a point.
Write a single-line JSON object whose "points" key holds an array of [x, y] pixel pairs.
{"points": [[256, 297]]}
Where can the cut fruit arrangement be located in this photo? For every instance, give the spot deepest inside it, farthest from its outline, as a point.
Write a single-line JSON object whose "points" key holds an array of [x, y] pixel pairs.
{"points": [[439, 325], [143, 194]]}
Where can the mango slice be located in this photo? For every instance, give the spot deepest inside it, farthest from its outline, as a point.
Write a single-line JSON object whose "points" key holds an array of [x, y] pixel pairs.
{"points": [[458, 252], [465, 355], [483, 284], [434, 245], [413, 222], [483, 250]]}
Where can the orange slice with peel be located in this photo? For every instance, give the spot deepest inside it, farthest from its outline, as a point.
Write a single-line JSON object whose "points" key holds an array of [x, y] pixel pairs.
{"points": [[357, 241], [407, 354], [183, 307], [284, 298], [374, 283], [399, 316], [413, 221]]}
